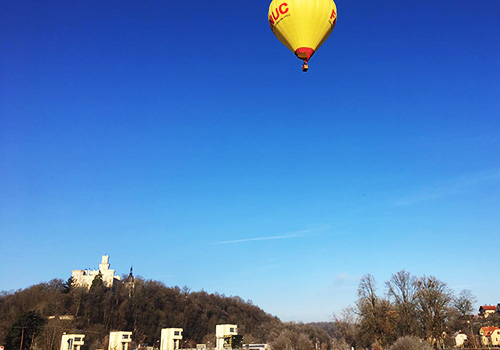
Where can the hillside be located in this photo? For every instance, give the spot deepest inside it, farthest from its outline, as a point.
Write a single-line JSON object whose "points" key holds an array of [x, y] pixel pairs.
{"points": [[144, 307]]}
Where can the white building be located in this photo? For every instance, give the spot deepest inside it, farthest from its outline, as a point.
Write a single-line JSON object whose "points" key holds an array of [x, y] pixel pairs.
{"points": [[170, 338], [460, 339], [222, 331], [84, 278], [72, 341], [119, 340]]}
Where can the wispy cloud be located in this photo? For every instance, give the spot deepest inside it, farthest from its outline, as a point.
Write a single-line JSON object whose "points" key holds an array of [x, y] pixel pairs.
{"points": [[289, 235], [345, 277], [461, 184]]}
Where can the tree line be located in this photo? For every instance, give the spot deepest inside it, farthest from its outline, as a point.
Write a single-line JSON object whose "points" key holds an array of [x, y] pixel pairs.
{"points": [[409, 310], [421, 307]]}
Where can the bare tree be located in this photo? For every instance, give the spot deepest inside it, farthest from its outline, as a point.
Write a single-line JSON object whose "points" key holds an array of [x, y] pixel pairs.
{"points": [[367, 304], [401, 290], [346, 326], [463, 308], [378, 320], [367, 290], [292, 340], [432, 301], [50, 337], [464, 302], [340, 344]]}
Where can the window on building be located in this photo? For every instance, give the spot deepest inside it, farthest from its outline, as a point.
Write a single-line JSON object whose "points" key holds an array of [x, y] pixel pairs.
{"points": [[176, 333], [231, 329], [125, 336], [78, 339]]}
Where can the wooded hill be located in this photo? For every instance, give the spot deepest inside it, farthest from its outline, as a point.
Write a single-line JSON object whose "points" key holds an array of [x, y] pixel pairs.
{"points": [[143, 307]]}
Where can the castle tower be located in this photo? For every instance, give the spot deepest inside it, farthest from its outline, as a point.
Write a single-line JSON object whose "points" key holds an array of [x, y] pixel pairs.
{"points": [[104, 265], [84, 278]]}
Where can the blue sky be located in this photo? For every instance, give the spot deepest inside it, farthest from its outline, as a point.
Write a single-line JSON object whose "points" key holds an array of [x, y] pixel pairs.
{"points": [[182, 138]]}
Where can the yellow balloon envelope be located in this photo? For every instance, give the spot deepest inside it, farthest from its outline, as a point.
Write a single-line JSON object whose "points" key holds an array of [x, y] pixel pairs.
{"points": [[302, 25]]}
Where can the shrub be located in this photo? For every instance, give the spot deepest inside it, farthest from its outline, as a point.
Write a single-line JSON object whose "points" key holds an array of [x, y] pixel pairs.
{"points": [[410, 343]]}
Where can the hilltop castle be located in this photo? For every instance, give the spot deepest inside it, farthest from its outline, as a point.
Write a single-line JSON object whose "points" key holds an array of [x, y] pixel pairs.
{"points": [[84, 278]]}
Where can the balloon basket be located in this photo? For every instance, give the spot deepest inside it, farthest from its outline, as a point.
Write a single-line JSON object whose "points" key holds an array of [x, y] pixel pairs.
{"points": [[305, 67]]}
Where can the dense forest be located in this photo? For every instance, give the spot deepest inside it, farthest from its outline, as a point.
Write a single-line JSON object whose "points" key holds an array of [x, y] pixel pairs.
{"points": [[41, 313]]}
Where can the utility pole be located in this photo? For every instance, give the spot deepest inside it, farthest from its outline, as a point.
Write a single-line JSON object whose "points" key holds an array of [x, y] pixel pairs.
{"points": [[22, 337]]}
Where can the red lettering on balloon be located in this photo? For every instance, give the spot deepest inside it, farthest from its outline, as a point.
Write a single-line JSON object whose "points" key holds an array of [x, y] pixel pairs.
{"points": [[281, 8], [333, 14], [277, 14]]}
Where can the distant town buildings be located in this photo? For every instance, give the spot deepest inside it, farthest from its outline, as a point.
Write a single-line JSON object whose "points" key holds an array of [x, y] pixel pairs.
{"points": [[490, 336], [486, 310], [84, 278], [170, 340]]}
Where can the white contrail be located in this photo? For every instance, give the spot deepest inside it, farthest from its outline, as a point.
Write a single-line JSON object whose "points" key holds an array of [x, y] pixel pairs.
{"points": [[285, 236], [453, 186]]}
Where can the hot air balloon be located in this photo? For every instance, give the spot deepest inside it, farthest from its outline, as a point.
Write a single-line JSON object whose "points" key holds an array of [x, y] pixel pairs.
{"points": [[302, 25]]}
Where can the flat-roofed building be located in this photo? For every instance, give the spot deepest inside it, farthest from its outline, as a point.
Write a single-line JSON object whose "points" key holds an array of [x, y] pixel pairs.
{"points": [[119, 340], [222, 331], [72, 341], [170, 338]]}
